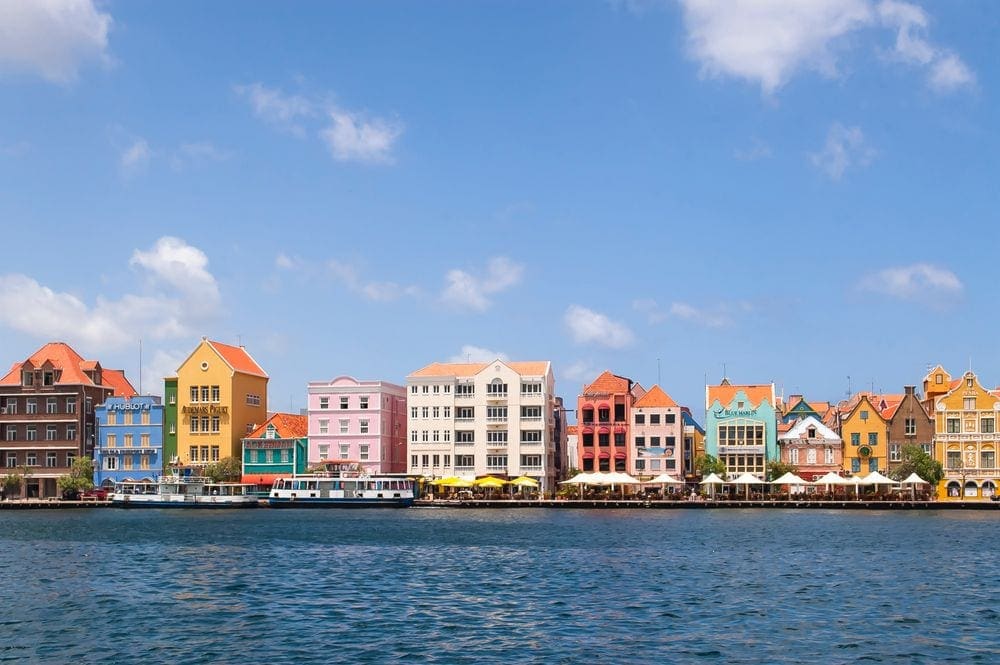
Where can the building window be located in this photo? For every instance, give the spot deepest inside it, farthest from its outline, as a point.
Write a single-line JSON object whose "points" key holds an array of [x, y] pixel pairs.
{"points": [[110, 463], [794, 455], [204, 424], [969, 403], [50, 405], [9, 405], [828, 456], [11, 433], [954, 459], [11, 460], [343, 402], [447, 435], [204, 453], [145, 418], [32, 433], [987, 425], [127, 460], [531, 461], [671, 418], [855, 465], [425, 412], [32, 459], [910, 427], [496, 388], [640, 419], [71, 432], [640, 442], [895, 452], [363, 453], [363, 424], [70, 405], [413, 436], [50, 432], [954, 425], [531, 389], [363, 402], [465, 436], [654, 419], [345, 450], [324, 451], [465, 461], [324, 402], [216, 396], [465, 390], [253, 400], [215, 453], [436, 412], [811, 456], [144, 462], [496, 462], [447, 390], [112, 440], [413, 412], [50, 458], [531, 436], [31, 406], [194, 424], [497, 437], [413, 390], [112, 418], [872, 438], [127, 440], [172, 430], [344, 426], [436, 436], [987, 459], [194, 393], [855, 438], [204, 393], [127, 418], [216, 424], [144, 440]]}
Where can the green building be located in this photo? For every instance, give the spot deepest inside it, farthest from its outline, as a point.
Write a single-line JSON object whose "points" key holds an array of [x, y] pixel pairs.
{"points": [[169, 422]]}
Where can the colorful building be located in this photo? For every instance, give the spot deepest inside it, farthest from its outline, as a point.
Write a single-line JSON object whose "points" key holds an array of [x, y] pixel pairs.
{"points": [[170, 422], [129, 440], [811, 447], [741, 426], [476, 419], [909, 424], [47, 413], [363, 421], [277, 448], [657, 435], [605, 408], [965, 439], [221, 398], [797, 408], [865, 434], [694, 443]]}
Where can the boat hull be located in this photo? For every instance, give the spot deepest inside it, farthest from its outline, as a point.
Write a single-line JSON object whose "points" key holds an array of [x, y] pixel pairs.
{"points": [[210, 505], [316, 502]]}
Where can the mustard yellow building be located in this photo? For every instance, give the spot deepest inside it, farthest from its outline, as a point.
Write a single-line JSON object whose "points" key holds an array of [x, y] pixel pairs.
{"points": [[221, 397], [965, 434], [865, 434]]}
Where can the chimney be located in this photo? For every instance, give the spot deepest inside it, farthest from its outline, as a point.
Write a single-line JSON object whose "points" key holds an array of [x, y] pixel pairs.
{"points": [[910, 390]]}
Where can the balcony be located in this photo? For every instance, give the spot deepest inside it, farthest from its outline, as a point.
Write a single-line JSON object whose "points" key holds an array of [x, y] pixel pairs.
{"points": [[532, 443], [466, 469], [531, 419], [496, 395], [465, 443], [464, 395], [463, 420], [496, 469], [531, 469], [496, 420], [496, 444]]}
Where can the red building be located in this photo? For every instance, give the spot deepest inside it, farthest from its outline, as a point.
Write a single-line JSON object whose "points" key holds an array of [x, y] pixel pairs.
{"points": [[47, 414], [605, 409]]}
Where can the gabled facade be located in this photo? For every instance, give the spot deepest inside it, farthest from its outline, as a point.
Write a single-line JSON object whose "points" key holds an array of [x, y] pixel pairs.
{"points": [[865, 434], [741, 426], [221, 398], [694, 443], [965, 438], [798, 408], [657, 435], [47, 414], [363, 421], [909, 424], [475, 419], [275, 449], [811, 447], [605, 411], [129, 440]]}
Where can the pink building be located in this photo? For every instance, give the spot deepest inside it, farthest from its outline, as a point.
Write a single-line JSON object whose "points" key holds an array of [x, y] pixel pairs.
{"points": [[363, 421], [657, 435]]}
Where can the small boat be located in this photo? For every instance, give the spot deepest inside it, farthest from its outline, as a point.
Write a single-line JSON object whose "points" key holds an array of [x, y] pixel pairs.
{"points": [[341, 485], [172, 491]]}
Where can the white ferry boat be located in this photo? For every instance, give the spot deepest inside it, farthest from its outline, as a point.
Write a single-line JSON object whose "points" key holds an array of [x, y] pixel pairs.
{"points": [[341, 485], [184, 492]]}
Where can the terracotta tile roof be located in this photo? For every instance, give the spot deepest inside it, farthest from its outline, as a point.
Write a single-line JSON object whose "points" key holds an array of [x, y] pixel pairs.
{"points": [[889, 404], [287, 426], [726, 393], [572, 429], [58, 355], [784, 427], [238, 358], [528, 368], [654, 397], [116, 380], [608, 383]]}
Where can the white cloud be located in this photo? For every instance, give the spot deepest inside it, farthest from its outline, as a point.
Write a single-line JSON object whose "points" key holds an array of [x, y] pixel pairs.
{"points": [[350, 276], [351, 138], [194, 154], [720, 315], [588, 326], [169, 309], [845, 147], [477, 354], [161, 365], [286, 262], [767, 42], [920, 281], [467, 290], [52, 38], [136, 156], [581, 370]]}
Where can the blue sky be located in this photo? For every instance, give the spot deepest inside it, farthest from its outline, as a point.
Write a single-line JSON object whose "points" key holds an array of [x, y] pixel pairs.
{"points": [[800, 192]]}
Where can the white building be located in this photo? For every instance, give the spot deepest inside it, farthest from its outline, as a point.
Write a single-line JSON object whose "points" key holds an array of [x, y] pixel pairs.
{"points": [[477, 419]]}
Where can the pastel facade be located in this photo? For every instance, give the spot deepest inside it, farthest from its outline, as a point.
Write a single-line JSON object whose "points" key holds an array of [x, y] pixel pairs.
{"points": [[605, 411], [47, 414], [657, 435], [278, 448], [812, 448], [476, 419], [221, 397], [694, 443], [361, 421], [965, 440], [741, 426], [909, 424], [865, 434], [129, 440]]}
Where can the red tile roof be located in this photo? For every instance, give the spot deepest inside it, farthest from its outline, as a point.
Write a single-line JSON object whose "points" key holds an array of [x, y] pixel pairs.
{"points": [[116, 380], [60, 356], [286, 425], [608, 383], [527, 368], [238, 358], [726, 393], [654, 397]]}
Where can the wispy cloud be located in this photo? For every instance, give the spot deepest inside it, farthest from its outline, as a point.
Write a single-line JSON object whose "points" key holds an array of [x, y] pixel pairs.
{"points": [[52, 38], [845, 147], [720, 315], [946, 72], [589, 327], [757, 150], [349, 276], [195, 154], [135, 157], [477, 354], [919, 281], [470, 291], [349, 135], [579, 370]]}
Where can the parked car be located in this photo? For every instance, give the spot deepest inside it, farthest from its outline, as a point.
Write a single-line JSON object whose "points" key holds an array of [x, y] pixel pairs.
{"points": [[95, 494]]}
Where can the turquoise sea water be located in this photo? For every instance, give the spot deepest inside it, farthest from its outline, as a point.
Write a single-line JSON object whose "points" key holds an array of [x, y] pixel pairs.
{"points": [[464, 586]]}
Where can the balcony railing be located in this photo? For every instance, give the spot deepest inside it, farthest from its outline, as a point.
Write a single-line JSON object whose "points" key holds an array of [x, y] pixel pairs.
{"points": [[465, 443], [463, 419], [496, 419], [464, 468], [531, 469], [531, 419], [496, 395], [531, 443]]}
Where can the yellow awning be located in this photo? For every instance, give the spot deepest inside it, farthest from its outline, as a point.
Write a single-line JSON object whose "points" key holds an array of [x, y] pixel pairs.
{"points": [[490, 481], [524, 481]]}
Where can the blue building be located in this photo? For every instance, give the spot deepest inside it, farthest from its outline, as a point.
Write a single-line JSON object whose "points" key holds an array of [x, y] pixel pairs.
{"points": [[129, 440]]}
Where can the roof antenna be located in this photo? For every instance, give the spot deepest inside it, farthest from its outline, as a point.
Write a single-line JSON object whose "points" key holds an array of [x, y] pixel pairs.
{"points": [[140, 365], [659, 380]]}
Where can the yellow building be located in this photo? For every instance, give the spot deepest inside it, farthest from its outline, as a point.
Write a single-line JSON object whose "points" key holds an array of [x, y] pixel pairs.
{"points": [[965, 434], [865, 434], [221, 397]]}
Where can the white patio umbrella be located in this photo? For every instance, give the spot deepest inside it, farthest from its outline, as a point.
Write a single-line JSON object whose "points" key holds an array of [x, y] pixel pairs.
{"points": [[579, 480], [830, 478], [876, 478], [663, 480], [618, 478], [857, 482], [789, 479], [711, 480], [913, 480], [747, 479]]}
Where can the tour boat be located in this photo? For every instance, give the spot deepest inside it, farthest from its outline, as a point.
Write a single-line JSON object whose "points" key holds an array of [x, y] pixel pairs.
{"points": [[341, 485], [172, 491]]}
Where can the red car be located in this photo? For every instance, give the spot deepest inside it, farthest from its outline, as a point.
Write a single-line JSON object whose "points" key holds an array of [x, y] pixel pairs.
{"points": [[96, 494]]}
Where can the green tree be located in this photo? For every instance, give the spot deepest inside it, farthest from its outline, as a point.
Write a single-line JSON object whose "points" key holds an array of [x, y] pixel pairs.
{"points": [[229, 469], [12, 483], [706, 464], [915, 460], [778, 468], [80, 477]]}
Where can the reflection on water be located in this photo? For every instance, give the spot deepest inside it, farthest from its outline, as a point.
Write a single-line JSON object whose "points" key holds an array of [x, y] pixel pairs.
{"points": [[452, 586]]}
